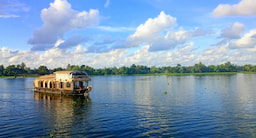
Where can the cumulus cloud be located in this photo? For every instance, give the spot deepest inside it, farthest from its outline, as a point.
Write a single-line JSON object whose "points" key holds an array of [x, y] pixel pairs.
{"points": [[220, 51], [152, 28], [141, 56], [59, 19], [159, 34], [233, 40], [232, 32], [234, 48], [247, 41], [173, 39], [186, 56], [243, 8], [12, 56], [107, 44], [252, 49], [72, 41]]}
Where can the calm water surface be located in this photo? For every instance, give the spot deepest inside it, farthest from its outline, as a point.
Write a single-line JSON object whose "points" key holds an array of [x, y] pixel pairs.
{"points": [[134, 106]]}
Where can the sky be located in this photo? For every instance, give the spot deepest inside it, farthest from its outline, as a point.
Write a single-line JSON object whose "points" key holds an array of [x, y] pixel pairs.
{"points": [[115, 33]]}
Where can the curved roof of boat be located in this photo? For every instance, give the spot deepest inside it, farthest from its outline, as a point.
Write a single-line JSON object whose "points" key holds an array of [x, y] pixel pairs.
{"points": [[70, 72], [63, 72], [46, 77], [53, 76]]}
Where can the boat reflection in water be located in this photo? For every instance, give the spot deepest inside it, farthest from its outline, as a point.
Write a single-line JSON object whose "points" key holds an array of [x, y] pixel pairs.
{"points": [[75, 98], [63, 116]]}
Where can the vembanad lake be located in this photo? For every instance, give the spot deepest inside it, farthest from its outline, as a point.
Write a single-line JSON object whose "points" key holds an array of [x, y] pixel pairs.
{"points": [[134, 106]]}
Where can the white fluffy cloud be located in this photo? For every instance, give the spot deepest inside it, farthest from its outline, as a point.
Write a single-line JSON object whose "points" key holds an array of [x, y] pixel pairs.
{"points": [[216, 51], [182, 56], [152, 28], [159, 34], [233, 32], [11, 56], [59, 19], [247, 41], [244, 8], [237, 51], [186, 56]]}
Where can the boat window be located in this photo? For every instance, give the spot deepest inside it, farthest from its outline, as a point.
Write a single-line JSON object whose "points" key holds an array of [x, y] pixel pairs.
{"points": [[50, 85], [81, 84], [41, 84], [45, 84], [68, 85], [85, 83], [61, 84], [76, 85]]}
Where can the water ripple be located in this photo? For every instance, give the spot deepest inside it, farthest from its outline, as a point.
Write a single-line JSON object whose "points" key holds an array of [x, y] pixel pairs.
{"points": [[132, 106]]}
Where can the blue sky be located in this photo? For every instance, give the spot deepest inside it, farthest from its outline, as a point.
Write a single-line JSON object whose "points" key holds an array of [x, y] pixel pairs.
{"points": [[108, 33]]}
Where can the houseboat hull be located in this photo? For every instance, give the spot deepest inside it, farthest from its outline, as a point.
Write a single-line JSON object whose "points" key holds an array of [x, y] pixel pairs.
{"points": [[84, 92], [64, 83]]}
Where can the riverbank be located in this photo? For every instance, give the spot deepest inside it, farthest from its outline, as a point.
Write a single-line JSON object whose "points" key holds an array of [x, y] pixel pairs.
{"points": [[26, 76], [204, 73], [181, 74], [152, 74]]}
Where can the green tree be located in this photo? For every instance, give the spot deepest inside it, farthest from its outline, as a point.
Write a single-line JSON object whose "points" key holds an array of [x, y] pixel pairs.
{"points": [[123, 70], [178, 69], [132, 69], [229, 67], [68, 67], [87, 69], [42, 70], [107, 71], [155, 69], [181, 70], [1, 70], [11, 70], [28, 70], [253, 69], [75, 67], [115, 70], [22, 68], [211, 68], [198, 68], [57, 69], [247, 67]]}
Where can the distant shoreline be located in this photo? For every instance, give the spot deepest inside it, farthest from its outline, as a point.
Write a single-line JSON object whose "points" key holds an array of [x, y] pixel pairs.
{"points": [[150, 74]]}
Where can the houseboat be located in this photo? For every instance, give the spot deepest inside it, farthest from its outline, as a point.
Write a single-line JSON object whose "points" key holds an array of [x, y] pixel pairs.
{"points": [[64, 83]]}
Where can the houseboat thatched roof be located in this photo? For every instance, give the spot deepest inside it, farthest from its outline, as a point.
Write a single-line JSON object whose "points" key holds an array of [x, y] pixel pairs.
{"points": [[46, 77], [64, 72], [53, 76]]}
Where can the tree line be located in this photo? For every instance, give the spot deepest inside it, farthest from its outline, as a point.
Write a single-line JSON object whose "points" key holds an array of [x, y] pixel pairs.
{"points": [[23, 70]]}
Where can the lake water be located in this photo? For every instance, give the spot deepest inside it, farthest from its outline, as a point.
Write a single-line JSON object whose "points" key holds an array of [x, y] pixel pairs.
{"points": [[134, 106]]}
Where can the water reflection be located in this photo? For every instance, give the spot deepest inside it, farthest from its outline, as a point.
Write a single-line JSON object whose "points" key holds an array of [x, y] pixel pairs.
{"points": [[62, 113], [46, 96], [134, 106]]}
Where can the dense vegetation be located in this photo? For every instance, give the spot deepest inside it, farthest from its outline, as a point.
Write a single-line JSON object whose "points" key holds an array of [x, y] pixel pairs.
{"points": [[23, 70]]}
